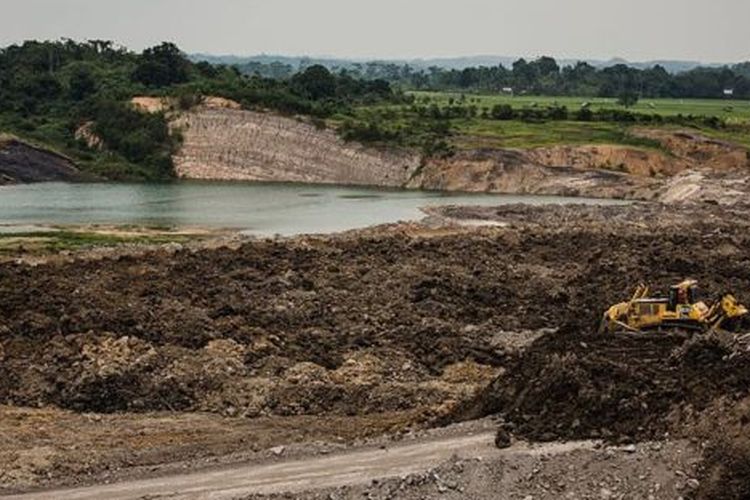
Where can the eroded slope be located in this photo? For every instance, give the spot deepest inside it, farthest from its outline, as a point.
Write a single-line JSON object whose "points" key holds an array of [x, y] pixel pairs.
{"points": [[232, 144]]}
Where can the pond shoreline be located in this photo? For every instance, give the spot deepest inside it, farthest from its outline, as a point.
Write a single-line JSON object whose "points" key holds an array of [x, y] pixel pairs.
{"points": [[253, 209]]}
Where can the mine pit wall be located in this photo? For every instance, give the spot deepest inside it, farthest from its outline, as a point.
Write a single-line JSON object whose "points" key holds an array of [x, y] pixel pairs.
{"points": [[223, 142], [230, 144], [233, 144], [518, 172]]}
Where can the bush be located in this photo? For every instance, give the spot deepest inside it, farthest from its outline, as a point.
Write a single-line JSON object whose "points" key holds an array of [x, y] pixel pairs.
{"points": [[139, 137], [584, 115], [502, 112], [188, 100], [557, 113]]}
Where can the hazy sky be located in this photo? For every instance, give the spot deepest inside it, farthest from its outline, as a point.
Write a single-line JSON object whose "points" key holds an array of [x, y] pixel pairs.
{"points": [[710, 31]]}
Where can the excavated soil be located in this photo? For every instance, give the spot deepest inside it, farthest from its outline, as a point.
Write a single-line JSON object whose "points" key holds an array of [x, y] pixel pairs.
{"points": [[573, 386], [444, 323]]}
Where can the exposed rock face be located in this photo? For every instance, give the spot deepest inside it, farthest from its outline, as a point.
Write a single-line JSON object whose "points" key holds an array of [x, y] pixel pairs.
{"points": [[699, 150], [151, 104], [697, 168], [511, 171], [225, 143], [86, 134], [21, 162], [724, 188], [640, 162], [222, 141]]}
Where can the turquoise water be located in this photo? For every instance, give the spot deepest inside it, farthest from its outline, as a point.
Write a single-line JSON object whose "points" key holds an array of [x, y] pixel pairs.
{"points": [[256, 208]]}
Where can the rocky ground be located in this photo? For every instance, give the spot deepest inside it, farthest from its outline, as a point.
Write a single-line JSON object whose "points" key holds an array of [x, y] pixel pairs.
{"points": [[387, 331], [649, 470]]}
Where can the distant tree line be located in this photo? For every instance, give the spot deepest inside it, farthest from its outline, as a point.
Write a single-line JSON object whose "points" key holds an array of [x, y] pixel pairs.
{"points": [[544, 76]]}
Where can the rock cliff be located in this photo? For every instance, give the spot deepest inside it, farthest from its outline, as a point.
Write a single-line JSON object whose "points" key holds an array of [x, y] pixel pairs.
{"points": [[232, 144], [21, 162], [518, 172], [224, 142]]}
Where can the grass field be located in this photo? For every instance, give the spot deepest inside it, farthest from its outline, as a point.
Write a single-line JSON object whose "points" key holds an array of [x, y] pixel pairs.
{"points": [[478, 133], [733, 110], [470, 133]]}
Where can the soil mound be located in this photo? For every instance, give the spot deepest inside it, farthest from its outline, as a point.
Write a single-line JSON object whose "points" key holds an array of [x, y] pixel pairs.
{"points": [[378, 323], [573, 386]]}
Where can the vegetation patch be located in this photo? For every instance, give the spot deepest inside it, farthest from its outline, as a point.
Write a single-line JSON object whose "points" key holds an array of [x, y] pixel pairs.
{"points": [[49, 90], [67, 240]]}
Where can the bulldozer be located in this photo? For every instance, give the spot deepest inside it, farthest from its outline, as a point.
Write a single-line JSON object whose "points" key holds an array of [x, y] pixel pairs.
{"points": [[681, 310]]}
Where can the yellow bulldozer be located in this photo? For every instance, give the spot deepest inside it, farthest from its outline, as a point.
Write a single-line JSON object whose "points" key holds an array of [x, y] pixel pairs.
{"points": [[681, 310]]}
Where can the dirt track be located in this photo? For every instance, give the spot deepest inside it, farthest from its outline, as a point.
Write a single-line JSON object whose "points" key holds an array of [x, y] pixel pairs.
{"points": [[351, 467], [419, 325], [409, 470]]}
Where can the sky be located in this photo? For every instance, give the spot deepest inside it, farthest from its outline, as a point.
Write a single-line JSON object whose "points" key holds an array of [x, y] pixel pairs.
{"points": [[637, 30]]}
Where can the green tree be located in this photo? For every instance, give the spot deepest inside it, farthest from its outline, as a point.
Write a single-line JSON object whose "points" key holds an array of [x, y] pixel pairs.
{"points": [[546, 66], [315, 83], [82, 83], [162, 66], [627, 98]]}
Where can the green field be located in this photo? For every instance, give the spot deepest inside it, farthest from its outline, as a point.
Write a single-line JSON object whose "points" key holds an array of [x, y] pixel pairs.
{"points": [[478, 133], [471, 133], [732, 110]]}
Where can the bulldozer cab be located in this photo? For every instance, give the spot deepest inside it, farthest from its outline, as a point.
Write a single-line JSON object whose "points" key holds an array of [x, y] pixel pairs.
{"points": [[684, 294]]}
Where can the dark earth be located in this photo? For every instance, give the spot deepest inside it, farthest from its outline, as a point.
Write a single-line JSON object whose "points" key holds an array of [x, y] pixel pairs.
{"points": [[402, 319]]}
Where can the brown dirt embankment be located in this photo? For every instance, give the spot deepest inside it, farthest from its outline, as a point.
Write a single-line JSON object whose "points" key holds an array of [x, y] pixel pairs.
{"points": [[692, 167], [224, 142], [21, 162], [522, 172]]}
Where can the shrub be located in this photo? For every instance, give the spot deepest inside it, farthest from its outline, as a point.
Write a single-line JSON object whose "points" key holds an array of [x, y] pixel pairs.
{"points": [[502, 112]]}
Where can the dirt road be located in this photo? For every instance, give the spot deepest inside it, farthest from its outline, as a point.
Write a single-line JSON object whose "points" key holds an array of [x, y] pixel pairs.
{"points": [[354, 467]]}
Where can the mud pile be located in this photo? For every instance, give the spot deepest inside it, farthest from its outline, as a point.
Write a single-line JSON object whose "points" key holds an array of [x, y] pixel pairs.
{"points": [[274, 328], [345, 325], [625, 389], [572, 386]]}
